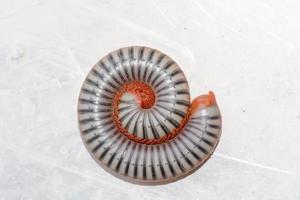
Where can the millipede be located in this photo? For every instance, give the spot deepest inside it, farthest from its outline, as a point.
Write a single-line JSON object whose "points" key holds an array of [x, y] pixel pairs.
{"points": [[138, 122]]}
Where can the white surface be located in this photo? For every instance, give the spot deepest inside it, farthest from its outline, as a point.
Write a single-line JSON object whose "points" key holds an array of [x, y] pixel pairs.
{"points": [[247, 52]]}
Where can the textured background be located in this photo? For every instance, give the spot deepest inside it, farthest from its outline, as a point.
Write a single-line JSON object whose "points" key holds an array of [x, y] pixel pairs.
{"points": [[247, 52]]}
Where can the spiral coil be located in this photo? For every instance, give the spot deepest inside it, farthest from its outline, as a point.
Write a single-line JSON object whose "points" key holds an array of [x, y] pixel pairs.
{"points": [[137, 121]]}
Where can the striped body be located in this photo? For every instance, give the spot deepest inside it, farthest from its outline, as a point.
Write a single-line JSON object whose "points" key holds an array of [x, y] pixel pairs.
{"points": [[147, 132]]}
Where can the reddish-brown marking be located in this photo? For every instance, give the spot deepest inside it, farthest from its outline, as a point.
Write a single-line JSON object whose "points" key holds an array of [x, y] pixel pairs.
{"points": [[203, 100], [143, 93], [145, 96]]}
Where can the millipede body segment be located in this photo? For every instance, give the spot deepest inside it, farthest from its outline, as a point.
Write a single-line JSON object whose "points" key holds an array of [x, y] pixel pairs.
{"points": [[138, 122]]}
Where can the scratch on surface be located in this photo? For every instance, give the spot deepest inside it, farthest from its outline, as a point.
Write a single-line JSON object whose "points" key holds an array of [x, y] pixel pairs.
{"points": [[266, 167], [273, 35], [71, 53], [183, 49], [18, 11], [211, 17], [295, 22], [203, 10], [287, 17], [162, 13], [50, 162]]}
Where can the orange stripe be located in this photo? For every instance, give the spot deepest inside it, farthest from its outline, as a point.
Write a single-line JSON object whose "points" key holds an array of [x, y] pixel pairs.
{"points": [[146, 98]]}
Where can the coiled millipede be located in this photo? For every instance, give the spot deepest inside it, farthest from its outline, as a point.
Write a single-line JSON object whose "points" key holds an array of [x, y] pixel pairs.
{"points": [[137, 120]]}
